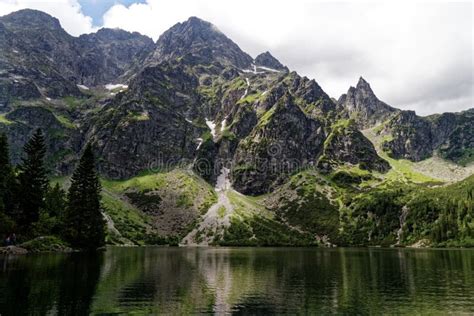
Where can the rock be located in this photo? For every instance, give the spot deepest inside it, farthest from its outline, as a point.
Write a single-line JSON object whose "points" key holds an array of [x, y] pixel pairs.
{"points": [[422, 243], [60, 135], [347, 145], [267, 60], [46, 244], [411, 137], [284, 140], [145, 128], [13, 250], [201, 43], [416, 138], [37, 53], [364, 107]]}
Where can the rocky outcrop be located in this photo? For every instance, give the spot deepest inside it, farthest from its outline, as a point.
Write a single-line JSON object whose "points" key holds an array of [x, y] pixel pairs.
{"points": [[458, 144], [415, 138], [199, 42], [37, 57], [145, 127], [284, 140], [109, 54], [409, 137], [13, 250], [62, 139], [267, 60], [347, 145], [364, 107], [308, 94]]}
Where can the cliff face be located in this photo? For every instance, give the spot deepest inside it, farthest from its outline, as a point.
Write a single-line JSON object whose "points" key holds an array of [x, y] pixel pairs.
{"points": [[284, 140], [346, 144], [38, 58], [361, 104], [416, 138]]}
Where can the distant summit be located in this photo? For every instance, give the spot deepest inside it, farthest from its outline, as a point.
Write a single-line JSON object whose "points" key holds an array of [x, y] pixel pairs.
{"points": [[364, 106], [200, 42], [267, 60], [28, 18]]}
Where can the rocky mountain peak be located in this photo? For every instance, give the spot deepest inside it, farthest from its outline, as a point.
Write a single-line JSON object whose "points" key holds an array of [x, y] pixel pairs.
{"points": [[267, 60], [202, 43], [363, 106], [363, 84], [364, 92], [31, 19], [198, 23], [117, 34]]}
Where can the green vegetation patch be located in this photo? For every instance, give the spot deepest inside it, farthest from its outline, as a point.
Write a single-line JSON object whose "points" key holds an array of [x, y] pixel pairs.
{"points": [[46, 244], [131, 223], [4, 120]]}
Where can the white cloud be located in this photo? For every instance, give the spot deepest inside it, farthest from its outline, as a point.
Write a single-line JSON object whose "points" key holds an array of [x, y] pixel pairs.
{"points": [[415, 55], [67, 11]]}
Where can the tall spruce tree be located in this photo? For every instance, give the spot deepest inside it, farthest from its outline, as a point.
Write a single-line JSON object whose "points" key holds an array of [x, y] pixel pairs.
{"points": [[33, 180], [84, 223], [5, 170], [6, 180]]}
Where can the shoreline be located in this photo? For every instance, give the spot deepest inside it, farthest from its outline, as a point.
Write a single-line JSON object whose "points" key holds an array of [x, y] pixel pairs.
{"points": [[20, 251]]}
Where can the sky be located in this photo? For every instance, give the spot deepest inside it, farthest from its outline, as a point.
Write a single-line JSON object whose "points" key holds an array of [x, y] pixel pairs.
{"points": [[416, 55]]}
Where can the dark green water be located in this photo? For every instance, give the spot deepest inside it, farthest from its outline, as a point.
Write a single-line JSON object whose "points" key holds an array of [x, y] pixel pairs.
{"points": [[240, 281]]}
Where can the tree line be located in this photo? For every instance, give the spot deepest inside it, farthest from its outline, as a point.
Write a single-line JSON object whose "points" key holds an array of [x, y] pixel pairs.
{"points": [[31, 207]]}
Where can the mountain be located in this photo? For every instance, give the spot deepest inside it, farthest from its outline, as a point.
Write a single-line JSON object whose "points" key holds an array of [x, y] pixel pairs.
{"points": [[201, 42], [199, 143], [416, 138], [363, 106], [267, 60], [109, 54], [40, 59]]}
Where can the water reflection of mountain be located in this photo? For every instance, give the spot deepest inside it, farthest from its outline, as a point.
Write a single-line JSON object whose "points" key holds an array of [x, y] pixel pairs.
{"points": [[239, 281]]}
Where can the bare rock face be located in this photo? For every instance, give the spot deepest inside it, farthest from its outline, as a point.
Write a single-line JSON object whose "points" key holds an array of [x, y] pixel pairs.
{"points": [[416, 138], [145, 127], [267, 60], [364, 107], [459, 145], [61, 138], [284, 140], [200, 42], [411, 137], [109, 54], [347, 145], [37, 57]]}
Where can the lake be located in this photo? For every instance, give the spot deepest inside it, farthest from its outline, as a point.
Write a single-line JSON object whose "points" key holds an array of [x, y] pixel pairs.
{"points": [[240, 281]]}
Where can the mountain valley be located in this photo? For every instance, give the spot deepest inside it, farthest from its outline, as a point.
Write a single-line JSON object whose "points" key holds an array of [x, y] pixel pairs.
{"points": [[200, 144]]}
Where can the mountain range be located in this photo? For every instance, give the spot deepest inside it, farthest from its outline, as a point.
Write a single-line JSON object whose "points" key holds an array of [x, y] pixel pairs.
{"points": [[199, 143]]}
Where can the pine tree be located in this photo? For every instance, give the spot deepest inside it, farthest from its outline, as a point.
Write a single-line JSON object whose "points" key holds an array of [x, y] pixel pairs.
{"points": [[84, 223], [5, 170], [55, 201], [51, 215], [33, 180], [6, 178]]}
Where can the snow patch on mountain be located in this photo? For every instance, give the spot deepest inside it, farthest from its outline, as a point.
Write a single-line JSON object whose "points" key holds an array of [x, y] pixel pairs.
{"points": [[212, 127], [111, 86], [81, 86]]}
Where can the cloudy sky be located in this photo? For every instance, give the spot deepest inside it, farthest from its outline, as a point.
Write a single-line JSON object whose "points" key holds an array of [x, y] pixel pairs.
{"points": [[415, 55]]}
